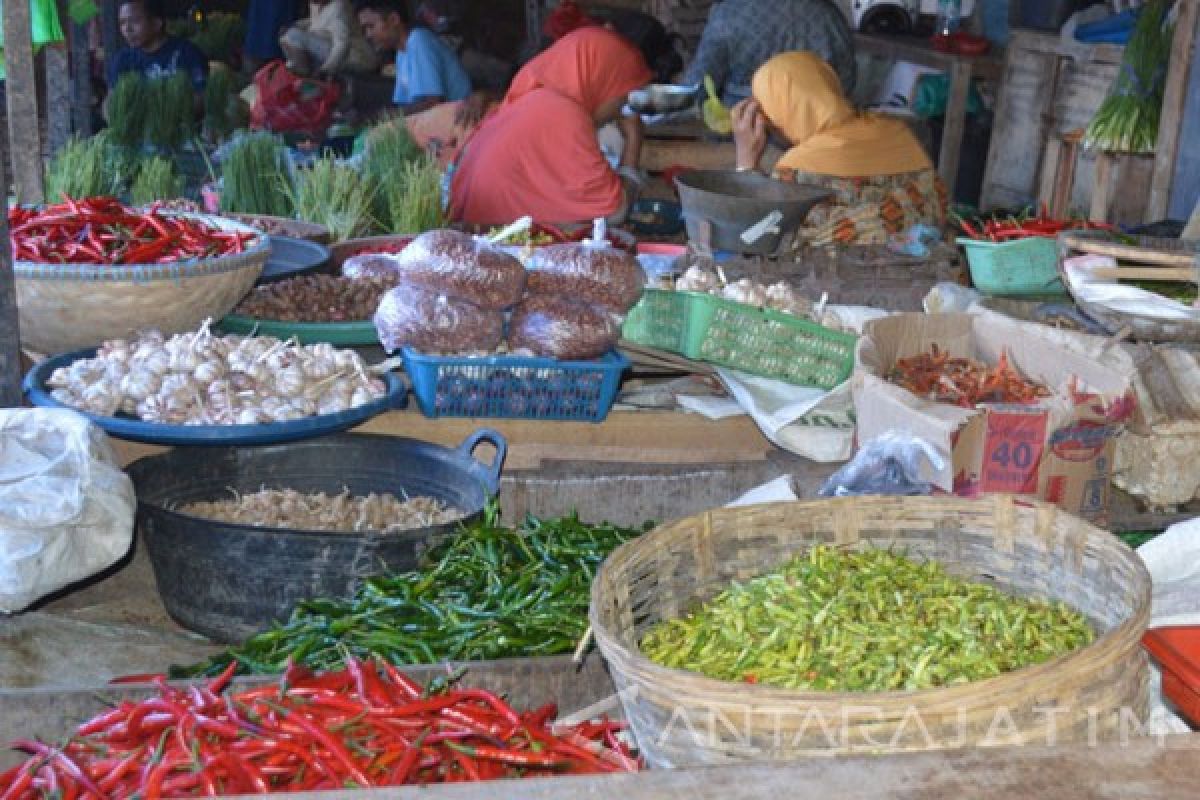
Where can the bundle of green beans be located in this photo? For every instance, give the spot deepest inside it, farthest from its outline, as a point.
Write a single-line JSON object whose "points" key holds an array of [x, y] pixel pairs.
{"points": [[1127, 121], [256, 176], [82, 168], [156, 180], [221, 105], [489, 592], [335, 195], [867, 621], [173, 120], [127, 107]]}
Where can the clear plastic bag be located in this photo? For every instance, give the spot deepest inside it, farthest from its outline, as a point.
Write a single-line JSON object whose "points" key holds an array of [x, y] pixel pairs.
{"points": [[556, 327], [592, 272], [890, 464], [66, 508], [463, 266], [434, 323], [371, 265]]}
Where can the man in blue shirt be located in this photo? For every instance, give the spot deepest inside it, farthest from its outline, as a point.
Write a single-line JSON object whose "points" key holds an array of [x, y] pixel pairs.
{"points": [[150, 50], [427, 71]]}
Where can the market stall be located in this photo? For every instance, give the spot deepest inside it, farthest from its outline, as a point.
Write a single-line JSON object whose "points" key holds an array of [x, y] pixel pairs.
{"points": [[313, 481]]}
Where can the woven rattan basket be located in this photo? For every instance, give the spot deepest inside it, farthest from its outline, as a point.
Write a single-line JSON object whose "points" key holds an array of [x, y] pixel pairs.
{"points": [[684, 719], [1148, 250], [65, 307]]}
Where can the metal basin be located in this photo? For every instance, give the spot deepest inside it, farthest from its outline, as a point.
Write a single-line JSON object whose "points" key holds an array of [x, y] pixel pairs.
{"points": [[719, 205]]}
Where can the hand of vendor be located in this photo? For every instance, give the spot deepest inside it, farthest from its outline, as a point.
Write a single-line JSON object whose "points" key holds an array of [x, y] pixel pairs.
{"points": [[749, 134], [471, 110]]}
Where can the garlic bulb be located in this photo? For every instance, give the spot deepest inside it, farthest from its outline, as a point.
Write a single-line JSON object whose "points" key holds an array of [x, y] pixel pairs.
{"points": [[698, 279], [782, 297], [745, 291]]}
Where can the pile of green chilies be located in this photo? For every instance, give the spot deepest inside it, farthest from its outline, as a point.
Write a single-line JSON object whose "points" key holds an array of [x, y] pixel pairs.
{"points": [[867, 621], [490, 592]]}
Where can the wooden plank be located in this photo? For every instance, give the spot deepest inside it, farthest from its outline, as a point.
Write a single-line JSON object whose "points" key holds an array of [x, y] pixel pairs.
{"points": [[648, 437], [1031, 108], [659, 154], [1158, 768], [1175, 97], [21, 90], [10, 334], [1106, 176], [956, 119]]}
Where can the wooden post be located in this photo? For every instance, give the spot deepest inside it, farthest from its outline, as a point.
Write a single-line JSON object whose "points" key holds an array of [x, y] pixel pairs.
{"points": [[955, 123], [80, 57], [1175, 96], [109, 32], [24, 137], [10, 334], [58, 97]]}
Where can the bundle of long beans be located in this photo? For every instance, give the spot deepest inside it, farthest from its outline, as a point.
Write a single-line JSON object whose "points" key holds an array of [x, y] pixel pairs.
{"points": [[127, 106], [1127, 121], [414, 197], [156, 181]]}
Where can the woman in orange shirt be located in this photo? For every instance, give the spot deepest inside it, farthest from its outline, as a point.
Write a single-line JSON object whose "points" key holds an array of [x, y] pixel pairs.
{"points": [[537, 153]]}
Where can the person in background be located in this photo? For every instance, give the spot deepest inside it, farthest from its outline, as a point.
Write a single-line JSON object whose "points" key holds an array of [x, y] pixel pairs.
{"points": [[427, 71], [742, 34], [330, 38], [537, 153], [150, 51], [266, 20], [882, 180]]}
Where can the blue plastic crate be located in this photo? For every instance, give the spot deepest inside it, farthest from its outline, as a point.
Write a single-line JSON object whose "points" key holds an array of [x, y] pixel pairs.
{"points": [[514, 387]]}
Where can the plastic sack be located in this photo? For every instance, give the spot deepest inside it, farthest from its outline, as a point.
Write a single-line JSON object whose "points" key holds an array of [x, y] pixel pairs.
{"points": [[288, 103], [66, 508], [592, 272], [557, 327], [890, 464], [463, 266], [434, 323]]}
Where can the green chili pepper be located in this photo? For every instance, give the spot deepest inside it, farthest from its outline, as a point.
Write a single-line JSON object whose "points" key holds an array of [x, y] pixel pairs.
{"points": [[864, 621]]}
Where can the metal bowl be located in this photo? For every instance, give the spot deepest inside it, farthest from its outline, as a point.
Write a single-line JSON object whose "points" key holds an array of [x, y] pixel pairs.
{"points": [[719, 205], [660, 98]]}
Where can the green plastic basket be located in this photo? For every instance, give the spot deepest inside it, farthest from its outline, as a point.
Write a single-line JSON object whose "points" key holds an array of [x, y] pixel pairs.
{"points": [[768, 343], [762, 342], [659, 320], [1020, 268]]}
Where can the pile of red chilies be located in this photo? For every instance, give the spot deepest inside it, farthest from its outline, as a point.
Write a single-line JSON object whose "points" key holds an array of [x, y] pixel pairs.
{"points": [[1003, 229], [101, 230], [367, 725]]}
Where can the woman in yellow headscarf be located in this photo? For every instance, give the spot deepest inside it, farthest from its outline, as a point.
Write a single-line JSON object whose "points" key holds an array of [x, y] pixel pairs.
{"points": [[882, 180]]}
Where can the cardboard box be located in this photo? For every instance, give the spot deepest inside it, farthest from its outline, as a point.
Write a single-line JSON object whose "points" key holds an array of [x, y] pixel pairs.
{"points": [[1059, 450]]}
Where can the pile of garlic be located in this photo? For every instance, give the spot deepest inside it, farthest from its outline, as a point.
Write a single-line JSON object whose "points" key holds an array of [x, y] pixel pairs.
{"points": [[779, 296], [203, 379]]}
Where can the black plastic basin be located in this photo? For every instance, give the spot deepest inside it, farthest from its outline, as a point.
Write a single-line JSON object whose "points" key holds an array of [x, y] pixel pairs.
{"points": [[228, 581]]}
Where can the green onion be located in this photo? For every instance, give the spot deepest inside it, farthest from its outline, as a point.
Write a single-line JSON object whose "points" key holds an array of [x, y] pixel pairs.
{"points": [[127, 106], [156, 180], [335, 195], [1127, 120], [255, 176], [82, 168]]}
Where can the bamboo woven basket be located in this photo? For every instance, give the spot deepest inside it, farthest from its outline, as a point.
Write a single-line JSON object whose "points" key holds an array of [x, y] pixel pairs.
{"points": [[1148, 250], [684, 719], [66, 307]]}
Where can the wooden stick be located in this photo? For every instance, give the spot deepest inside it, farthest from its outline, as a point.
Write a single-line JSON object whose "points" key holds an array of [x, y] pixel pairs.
{"points": [[1147, 274]]}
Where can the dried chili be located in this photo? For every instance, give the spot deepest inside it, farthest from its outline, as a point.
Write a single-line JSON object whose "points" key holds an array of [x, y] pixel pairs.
{"points": [[963, 381]]}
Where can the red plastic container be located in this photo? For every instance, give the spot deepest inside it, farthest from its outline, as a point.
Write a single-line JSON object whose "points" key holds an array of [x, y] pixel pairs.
{"points": [[1177, 651]]}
